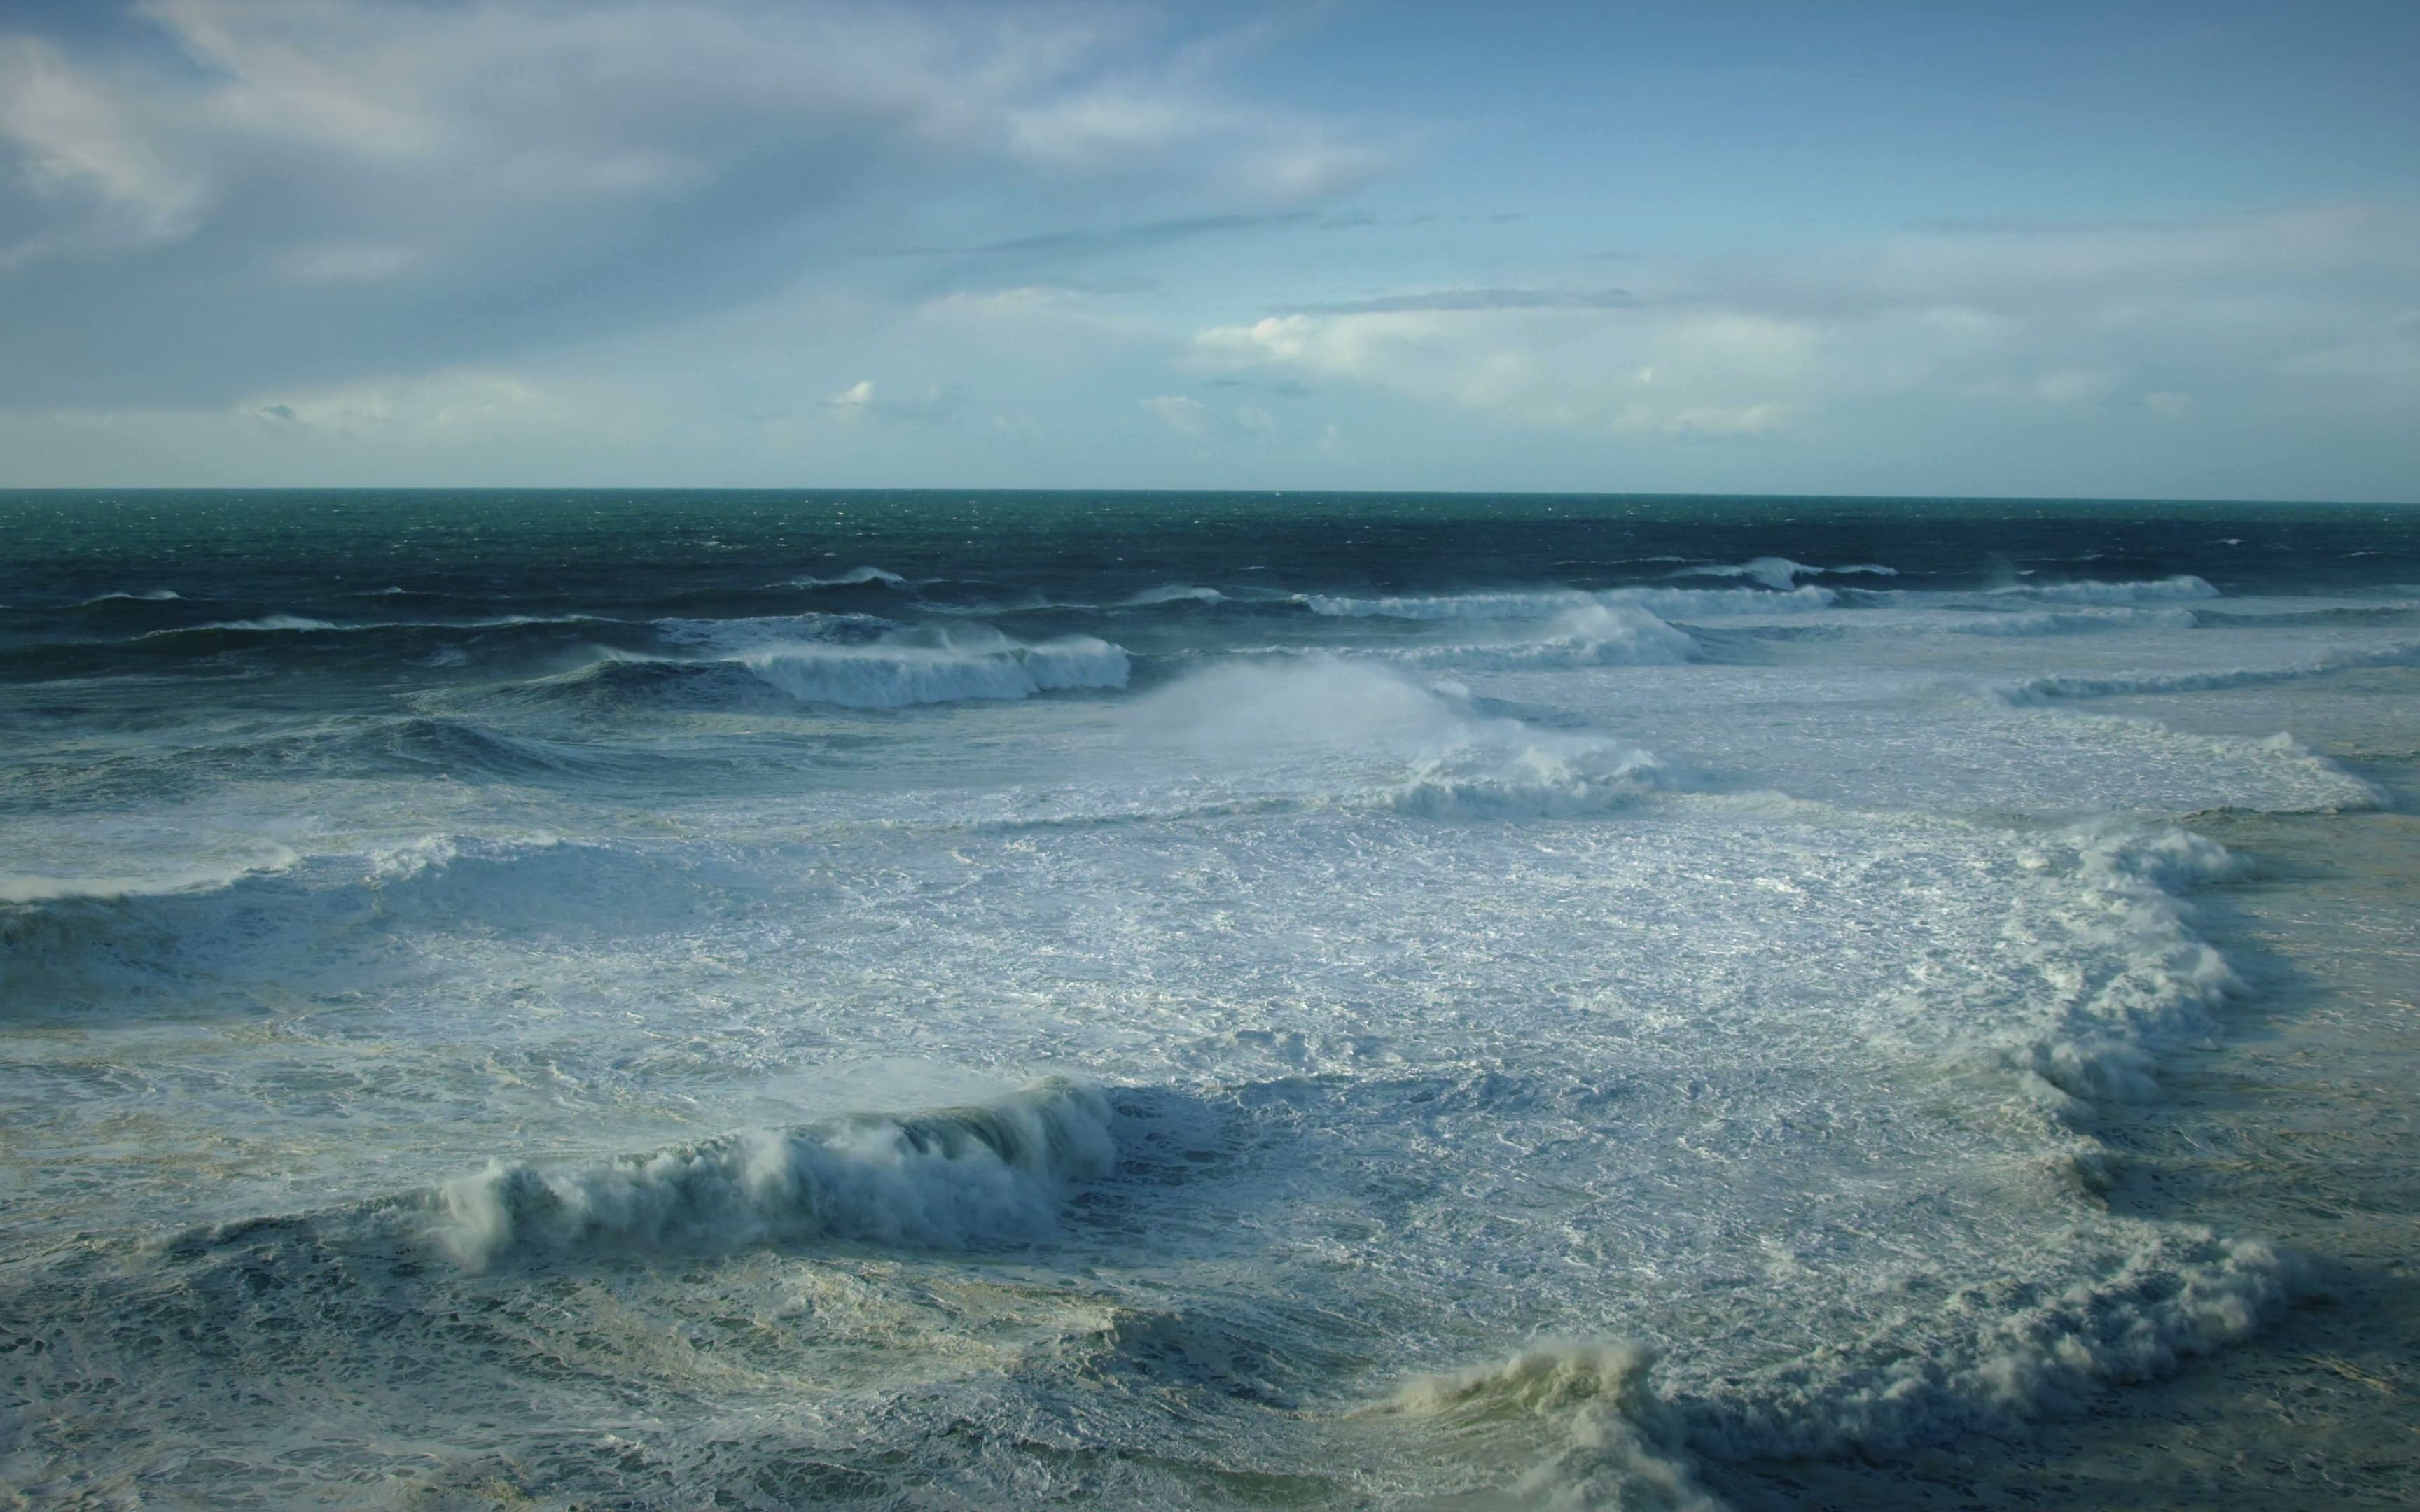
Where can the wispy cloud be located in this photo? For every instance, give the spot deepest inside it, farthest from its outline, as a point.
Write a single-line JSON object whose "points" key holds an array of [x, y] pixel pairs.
{"points": [[1476, 299], [2064, 315], [324, 189]]}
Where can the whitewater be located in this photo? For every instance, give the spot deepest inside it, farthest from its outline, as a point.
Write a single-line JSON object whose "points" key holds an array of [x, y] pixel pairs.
{"points": [[775, 999]]}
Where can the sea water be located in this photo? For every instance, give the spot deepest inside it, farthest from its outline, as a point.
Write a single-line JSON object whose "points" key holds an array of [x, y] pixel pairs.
{"points": [[762, 1000]]}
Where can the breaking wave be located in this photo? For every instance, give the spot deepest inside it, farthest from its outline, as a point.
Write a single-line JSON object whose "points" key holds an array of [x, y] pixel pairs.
{"points": [[267, 624], [854, 578], [1548, 603], [1175, 594], [1594, 1431], [1326, 732], [947, 1179], [1780, 572], [1608, 1440]]}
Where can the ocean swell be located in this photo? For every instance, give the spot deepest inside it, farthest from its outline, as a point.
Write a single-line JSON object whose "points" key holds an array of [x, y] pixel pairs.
{"points": [[2163, 590], [2119, 684]]}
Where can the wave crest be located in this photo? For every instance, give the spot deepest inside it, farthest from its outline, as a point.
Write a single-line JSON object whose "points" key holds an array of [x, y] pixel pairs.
{"points": [[1591, 635], [897, 676], [946, 1180], [1780, 572], [1546, 604], [854, 578], [2163, 590]]}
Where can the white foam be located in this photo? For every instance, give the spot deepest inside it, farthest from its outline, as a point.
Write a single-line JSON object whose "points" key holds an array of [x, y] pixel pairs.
{"points": [[2177, 1292]]}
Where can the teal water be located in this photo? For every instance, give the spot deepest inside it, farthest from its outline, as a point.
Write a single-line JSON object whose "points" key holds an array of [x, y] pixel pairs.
{"points": [[651, 1000]]}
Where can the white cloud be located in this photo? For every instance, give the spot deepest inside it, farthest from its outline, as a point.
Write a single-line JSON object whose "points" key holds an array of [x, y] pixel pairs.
{"points": [[1714, 372], [2061, 316], [343, 262], [851, 403], [433, 409], [859, 401], [1191, 416]]}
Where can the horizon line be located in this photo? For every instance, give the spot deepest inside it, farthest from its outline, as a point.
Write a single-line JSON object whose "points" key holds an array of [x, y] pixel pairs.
{"points": [[1197, 492]]}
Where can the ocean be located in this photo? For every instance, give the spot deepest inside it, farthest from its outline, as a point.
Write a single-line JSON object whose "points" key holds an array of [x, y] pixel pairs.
{"points": [[944, 999]]}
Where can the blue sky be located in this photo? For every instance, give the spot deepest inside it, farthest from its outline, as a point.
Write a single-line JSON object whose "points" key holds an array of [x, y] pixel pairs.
{"points": [[2145, 250]]}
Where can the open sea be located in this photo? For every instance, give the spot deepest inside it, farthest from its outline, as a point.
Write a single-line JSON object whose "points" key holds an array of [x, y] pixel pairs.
{"points": [[934, 999]]}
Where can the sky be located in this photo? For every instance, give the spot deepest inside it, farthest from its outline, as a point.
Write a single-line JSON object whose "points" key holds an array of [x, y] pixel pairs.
{"points": [[2140, 251]]}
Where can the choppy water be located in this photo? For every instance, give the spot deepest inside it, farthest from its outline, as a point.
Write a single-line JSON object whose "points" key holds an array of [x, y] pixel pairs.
{"points": [[761, 1000]]}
